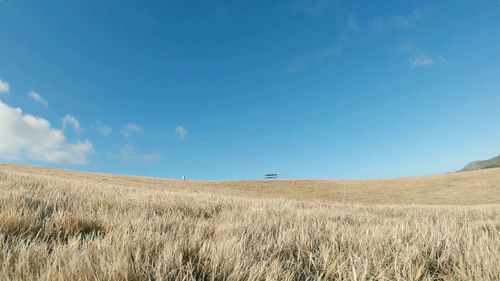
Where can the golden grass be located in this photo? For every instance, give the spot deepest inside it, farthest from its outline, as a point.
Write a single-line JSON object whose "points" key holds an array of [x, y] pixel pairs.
{"points": [[61, 225]]}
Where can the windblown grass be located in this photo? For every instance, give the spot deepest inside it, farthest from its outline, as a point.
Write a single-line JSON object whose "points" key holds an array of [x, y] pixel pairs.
{"points": [[56, 227]]}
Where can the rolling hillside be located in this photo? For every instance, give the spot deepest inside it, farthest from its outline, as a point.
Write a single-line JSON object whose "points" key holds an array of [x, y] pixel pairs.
{"points": [[63, 225], [475, 187]]}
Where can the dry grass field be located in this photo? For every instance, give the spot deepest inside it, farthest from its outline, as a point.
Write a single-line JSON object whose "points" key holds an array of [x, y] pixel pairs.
{"points": [[62, 225]]}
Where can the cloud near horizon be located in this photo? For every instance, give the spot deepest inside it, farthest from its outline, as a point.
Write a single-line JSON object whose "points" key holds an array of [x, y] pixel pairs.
{"points": [[103, 129], [4, 87], [24, 136], [38, 98], [128, 153], [130, 129], [69, 120]]}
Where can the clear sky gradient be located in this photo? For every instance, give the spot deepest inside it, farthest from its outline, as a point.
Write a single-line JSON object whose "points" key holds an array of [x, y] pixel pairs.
{"points": [[236, 89]]}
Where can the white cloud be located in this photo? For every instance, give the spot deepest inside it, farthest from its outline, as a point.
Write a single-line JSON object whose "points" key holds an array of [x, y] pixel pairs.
{"points": [[422, 60], [181, 132], [23, 136], [69, 120], [103, 129], [4, 87], [38, 98], [128, 153], [130, 129], [419, 56]]}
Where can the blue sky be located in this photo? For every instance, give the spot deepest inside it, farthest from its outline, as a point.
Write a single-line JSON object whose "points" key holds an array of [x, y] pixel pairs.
{"points": [[236, 89]]}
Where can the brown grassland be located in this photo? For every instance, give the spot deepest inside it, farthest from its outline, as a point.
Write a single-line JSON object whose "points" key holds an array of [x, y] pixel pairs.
{"points": [[62, 225]]}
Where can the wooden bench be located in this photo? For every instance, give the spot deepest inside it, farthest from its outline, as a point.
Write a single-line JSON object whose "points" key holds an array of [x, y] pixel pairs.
{"points": [[270, 176]]}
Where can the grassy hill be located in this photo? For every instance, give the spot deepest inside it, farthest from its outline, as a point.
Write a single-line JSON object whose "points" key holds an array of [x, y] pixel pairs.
{"points": [[63, 225], [476, 187], [484, 164]]}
